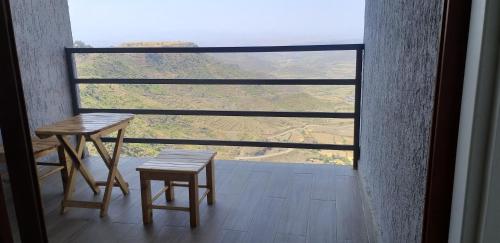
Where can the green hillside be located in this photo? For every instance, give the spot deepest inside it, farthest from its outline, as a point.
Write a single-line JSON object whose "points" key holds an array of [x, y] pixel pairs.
{"points": [[229, 97]]}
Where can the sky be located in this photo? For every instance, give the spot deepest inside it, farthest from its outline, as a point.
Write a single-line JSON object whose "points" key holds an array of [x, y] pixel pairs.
{"points": [[218, 22]]}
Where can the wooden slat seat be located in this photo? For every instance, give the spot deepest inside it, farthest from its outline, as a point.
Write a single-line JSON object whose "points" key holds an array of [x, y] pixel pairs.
{"points": [[45, 171], [172, 166], [44, 147], [179, 161], [41, 147]]}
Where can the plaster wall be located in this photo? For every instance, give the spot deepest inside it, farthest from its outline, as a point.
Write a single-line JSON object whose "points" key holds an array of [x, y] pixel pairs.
{"points": [[399, 75], [42, 30]]}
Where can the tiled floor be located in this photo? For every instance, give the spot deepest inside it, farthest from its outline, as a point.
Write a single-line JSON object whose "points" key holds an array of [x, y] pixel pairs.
{"points": [[256, 202]]}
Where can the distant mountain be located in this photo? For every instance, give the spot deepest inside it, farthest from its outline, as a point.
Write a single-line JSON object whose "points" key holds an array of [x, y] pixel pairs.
{"points": [[322, 64], [155, 65]]}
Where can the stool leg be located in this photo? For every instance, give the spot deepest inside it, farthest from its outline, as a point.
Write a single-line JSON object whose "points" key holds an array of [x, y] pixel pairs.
{"points": [[147, 212], [63, 162], [194, 212], [68, 191], [169, 193], [210, 182]]}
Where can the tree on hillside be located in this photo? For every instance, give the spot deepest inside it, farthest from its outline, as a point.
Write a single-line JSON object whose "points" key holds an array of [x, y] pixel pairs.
{"points": [[81, 44]]}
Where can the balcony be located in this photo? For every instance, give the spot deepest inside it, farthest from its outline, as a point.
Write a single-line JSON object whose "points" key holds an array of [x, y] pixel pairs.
{"points": [[379, 194], [258, 201]]}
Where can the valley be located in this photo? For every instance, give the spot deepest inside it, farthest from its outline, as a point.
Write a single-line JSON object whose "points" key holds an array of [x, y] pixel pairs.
{"points": [[227, 97]]}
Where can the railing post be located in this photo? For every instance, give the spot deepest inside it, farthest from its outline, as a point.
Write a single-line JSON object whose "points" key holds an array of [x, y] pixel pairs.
{"points": [[73, 88], [357, 107], [70, 64]]}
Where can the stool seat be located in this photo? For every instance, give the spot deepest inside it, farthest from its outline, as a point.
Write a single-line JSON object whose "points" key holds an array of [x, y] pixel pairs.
{"points": [[179, 161], [173, 166], [41, 147], [44, 147]]}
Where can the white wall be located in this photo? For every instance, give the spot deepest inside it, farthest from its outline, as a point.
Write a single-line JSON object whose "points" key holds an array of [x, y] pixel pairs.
{"points": [[475, 213]]}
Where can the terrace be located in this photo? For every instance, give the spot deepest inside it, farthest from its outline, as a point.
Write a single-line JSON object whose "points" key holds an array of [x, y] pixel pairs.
{"points": [[257, 201], [388, 143]]}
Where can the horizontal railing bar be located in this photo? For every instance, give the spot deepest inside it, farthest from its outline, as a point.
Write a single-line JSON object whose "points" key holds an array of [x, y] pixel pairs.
{"points": [[217, 81], [234, 143], [300, 48], [344, 115]]}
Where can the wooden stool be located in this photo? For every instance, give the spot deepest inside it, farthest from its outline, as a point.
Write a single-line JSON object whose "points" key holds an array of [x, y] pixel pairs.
{"points": [[172, 167], [44, 147]]}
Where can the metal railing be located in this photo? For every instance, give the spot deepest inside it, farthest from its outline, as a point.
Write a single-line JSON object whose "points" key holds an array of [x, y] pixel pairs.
{"points": [[356, 82]]}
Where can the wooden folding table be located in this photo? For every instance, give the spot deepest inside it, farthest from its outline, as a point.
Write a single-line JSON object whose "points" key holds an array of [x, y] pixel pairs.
{"points": [[91, 127]]}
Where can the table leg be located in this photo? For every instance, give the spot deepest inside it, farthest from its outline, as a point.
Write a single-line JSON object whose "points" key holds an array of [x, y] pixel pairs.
{"points": [[77, 162], [113, 163], [108, 160], [68, 189], [66, 166]]}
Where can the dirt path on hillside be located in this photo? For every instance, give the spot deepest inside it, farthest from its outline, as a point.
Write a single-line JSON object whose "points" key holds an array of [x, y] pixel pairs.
{"points": [[265, 155], [281, 152]]}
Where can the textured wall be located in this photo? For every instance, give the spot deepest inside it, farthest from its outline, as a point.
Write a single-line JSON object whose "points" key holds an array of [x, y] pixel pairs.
{"points": [[42, 29], [400, 66]]}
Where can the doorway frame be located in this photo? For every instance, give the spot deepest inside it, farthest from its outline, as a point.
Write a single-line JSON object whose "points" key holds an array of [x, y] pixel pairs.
{"points": [[441, 163], [446, 120], [17, 139]]}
